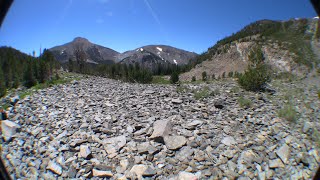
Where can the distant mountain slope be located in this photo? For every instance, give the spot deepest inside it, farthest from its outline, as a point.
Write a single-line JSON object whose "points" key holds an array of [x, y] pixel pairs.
{"points": [[148, 56], [152, 55], [95, 54], [286, 45]]}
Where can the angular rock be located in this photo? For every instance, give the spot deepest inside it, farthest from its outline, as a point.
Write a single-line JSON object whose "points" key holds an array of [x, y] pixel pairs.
{"points": [[184, 153], [143, 170], [228, 141], [174, 142], [276, 163], [54, 167], [85, 151], [315, 153], [14, 100], [284, 152], [9, 129], [101, 174], [161, 128], [307, 127], [146, 148]]}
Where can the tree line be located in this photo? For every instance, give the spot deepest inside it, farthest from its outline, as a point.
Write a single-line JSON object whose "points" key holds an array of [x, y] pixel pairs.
{"points": [[136, 72], [17, 68]]}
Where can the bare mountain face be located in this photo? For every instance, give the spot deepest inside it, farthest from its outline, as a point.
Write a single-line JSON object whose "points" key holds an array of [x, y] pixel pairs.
{"points": [[288, 46], [147, 56], [156, 54], [94, 53]]}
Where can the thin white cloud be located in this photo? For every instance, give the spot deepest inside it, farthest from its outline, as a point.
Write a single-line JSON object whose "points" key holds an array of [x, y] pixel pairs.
{"points": [[153, 13], [157, 20]]}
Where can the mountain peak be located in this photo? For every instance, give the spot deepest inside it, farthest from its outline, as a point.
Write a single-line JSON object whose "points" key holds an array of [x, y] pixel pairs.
{"points": [[80, 39]]}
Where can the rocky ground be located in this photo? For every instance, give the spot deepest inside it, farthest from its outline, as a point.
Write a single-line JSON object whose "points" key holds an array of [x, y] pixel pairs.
{"points": [[101, 128]]}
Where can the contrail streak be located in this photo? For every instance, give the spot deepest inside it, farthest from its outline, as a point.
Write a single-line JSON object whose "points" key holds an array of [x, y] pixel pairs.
{"points": [[153, 13]]}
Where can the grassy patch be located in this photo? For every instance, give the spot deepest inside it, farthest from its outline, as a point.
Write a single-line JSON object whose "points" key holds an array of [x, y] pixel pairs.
{"points": [[244, 102], [289, 113], [66, 77], [286, 76], [160, 80], [204, 93], [4, 106], [25, 93], [319, 94], [182, 89]]}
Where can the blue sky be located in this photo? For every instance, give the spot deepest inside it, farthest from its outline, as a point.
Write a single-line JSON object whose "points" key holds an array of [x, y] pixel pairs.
{"points": [[122, 25]]}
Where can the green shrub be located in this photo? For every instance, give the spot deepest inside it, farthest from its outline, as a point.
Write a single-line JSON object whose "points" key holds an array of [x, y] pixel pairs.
{"points": [[319, 94], [204, 76], [204, 93], [213, 77], [224, 75], [230, 74], [159, 80], [257, 74], [174, 78], [182, 89], [254, 79], [244, 103], [193, 79], [289, 113]]}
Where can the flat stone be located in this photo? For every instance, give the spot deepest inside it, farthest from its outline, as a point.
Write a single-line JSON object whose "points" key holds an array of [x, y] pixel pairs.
{"points": [[176, 101], [54, 167], [186, 176], [99, 173], [276, 163], [9, 129], [161, 128], [117, 142], [192, 125], [228, 141], [174, 142], [149, 92], [284, 152], [84, 151]]}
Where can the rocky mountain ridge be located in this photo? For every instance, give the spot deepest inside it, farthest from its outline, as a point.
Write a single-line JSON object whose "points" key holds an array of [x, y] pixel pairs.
{"points": [[147, 55]]}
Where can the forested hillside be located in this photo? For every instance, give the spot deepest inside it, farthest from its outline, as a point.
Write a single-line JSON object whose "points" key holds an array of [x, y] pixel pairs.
{"points": [[17, 68]]}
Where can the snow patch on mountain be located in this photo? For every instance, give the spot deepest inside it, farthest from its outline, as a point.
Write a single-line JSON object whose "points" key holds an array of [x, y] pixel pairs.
{"points": [[175, 61]]}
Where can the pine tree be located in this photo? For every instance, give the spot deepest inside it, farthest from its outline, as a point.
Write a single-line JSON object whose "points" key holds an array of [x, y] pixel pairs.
{"points": [[3, 88], [174, 78], [204, 76], [43, 71], [29, 79], [70, 65]]}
